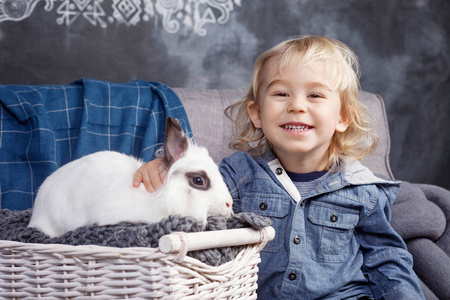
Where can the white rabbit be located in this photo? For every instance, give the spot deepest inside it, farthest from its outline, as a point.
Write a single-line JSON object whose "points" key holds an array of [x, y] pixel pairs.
{"points": [[98, 189]]}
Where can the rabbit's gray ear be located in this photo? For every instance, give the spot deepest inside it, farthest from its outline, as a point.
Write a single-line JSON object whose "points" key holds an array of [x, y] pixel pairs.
{"points": [[175, 141]]}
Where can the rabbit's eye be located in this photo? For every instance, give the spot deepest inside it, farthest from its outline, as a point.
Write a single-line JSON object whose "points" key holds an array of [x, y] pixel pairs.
{"points": [[198, 180]]}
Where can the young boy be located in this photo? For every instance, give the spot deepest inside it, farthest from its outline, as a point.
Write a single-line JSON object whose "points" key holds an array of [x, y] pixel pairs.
{"points": [[300, 131]]}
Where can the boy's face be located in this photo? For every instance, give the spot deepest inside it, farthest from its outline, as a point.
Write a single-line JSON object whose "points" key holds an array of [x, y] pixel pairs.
{"points": [[298, 112]]}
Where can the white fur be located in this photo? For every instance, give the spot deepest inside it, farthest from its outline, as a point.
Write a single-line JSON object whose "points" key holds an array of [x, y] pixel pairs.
{"points": [[98, 189]]}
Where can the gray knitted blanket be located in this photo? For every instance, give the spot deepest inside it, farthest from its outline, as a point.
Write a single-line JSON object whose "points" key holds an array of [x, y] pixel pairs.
{"points": [[13, 227]]}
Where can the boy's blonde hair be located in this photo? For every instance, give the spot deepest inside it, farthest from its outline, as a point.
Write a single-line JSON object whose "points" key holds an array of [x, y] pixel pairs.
{"points": [[341, 64]]}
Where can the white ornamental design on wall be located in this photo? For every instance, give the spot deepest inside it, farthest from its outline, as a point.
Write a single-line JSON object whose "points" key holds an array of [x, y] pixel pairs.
{"points": [[174, 16]]}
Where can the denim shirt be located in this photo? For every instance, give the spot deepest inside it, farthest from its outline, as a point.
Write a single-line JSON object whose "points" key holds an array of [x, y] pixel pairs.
{"points": [[336, 242]]}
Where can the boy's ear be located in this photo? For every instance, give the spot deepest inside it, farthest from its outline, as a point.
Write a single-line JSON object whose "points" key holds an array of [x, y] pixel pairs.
{"points": [[343, 122], [254, 113]]}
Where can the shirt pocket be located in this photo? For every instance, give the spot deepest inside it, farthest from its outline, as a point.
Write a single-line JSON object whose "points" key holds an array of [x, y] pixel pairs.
{"points": [[330, 232], [276, 207]]}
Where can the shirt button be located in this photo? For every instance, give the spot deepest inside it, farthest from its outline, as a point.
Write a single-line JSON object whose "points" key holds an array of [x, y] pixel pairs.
{"points": [[296, 240], [263, 206], [334, 218], [292, 276], [279, 171]]}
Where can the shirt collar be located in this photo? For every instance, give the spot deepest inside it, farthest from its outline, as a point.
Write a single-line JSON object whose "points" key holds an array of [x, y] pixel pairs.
{"points": [[350, 172]]}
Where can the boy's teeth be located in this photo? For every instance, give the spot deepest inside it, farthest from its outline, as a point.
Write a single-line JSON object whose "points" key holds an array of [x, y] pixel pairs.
{"points": [[296, 127]]}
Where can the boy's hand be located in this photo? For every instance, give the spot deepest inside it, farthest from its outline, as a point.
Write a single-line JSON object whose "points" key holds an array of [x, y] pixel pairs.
{"points": [[152, 174]]}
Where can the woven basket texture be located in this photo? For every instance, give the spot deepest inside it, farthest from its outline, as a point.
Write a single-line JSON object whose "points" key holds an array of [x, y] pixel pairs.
{"points": [[50, 271]]}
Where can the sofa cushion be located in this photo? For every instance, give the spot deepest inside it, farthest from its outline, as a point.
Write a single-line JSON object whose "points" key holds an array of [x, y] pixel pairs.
{"points": [[205, 109], [414, 216]]}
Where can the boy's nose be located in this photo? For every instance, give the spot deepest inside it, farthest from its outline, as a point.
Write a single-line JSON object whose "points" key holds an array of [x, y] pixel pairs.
{"points": [[297, 104]]}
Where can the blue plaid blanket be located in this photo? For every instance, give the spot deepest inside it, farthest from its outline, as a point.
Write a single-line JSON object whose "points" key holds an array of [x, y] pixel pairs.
{"points": [[44, 127]]}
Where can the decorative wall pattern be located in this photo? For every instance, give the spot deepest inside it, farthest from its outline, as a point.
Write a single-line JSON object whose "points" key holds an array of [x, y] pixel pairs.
{"points": [[174, 15]]}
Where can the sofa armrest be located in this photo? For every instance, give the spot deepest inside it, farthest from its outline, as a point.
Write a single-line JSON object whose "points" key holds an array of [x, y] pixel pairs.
{"points": [[378, 161], [440, 197]]}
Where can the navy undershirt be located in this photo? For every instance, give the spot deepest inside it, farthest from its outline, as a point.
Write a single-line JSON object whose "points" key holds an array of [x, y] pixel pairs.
{"points": [[305, 182], [305, 177]]}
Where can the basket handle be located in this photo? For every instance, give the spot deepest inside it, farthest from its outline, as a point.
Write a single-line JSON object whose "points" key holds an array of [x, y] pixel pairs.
{"points": [[182, 242]]}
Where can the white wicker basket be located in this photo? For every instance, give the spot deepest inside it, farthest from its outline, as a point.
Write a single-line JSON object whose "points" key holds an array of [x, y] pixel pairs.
{"points": [[30, 271]]}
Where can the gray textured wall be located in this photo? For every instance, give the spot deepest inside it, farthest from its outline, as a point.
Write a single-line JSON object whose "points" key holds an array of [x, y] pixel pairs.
{"points": [[403, 46]]}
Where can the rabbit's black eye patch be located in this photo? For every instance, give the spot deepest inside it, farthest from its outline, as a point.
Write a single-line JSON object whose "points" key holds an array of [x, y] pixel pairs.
{"points": [[198, 180]]}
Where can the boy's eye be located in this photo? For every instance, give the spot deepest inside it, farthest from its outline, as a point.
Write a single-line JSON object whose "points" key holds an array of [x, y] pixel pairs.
{"points": [[280, 94], [315, 95]]}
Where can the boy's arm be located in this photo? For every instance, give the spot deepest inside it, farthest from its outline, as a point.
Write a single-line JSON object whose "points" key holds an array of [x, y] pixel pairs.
{"points": [[152, 174], [387, 262]]}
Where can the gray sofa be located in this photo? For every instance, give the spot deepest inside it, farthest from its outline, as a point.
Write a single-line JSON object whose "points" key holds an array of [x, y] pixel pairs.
{"points": [[420, 214]]}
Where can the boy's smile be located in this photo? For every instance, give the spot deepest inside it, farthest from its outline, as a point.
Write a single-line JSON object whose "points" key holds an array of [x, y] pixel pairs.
{"points": [[296, 127], [298, 111]]}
